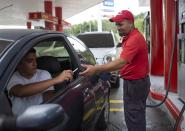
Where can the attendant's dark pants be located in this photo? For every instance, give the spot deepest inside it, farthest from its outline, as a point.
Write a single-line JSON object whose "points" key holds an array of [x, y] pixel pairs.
{"points": [[135, 95]]}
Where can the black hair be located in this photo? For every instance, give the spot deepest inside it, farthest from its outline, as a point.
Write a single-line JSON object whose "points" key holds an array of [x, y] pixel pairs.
{"points": [[32, 50]]}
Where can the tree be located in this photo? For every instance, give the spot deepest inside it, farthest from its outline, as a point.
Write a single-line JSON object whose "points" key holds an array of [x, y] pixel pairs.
{"points": [[139, 19], [106, 26]]}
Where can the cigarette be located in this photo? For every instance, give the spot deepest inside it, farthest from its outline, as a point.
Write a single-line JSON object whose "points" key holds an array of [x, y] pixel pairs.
{"points": [[75, 70]]}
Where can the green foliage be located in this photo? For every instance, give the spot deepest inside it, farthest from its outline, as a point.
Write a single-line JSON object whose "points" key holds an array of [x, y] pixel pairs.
{"points": [[106, 26], [81, 28], [139, 22]]}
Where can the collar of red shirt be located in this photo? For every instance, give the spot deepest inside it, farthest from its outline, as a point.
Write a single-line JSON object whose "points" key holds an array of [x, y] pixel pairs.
{"points": [[124, 38]]}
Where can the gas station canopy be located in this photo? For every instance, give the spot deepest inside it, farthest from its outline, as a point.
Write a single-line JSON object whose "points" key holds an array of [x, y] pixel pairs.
{"points": [[15, 12]]}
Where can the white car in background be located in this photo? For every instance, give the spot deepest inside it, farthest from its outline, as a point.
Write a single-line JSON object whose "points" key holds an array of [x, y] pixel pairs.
{"points": [[104, 48]]}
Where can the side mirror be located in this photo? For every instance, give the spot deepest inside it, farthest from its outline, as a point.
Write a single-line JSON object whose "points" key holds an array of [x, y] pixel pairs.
{"points": [[41, 117]]}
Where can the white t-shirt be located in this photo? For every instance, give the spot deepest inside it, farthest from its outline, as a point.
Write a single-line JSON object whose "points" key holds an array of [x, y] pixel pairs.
{"points": [[20, 104]]}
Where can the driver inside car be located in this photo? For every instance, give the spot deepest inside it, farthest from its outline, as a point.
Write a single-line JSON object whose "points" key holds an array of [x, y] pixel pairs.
{"points": [[31, 86]]}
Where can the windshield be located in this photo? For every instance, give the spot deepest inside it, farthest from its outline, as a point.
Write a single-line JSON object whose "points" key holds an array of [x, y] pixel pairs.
{"points": [[97, 40], [4, 45]]}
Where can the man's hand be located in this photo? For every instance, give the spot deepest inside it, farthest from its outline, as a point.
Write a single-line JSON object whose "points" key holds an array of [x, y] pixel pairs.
{"points": [[65, 75], [90, 70]]}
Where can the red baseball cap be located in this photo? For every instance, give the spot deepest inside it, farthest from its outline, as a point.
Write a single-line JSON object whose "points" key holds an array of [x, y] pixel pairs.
{"points": [[124, 14]]}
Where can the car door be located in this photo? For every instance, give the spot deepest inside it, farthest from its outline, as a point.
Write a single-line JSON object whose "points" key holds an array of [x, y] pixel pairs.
{"points": [[5, 109], [78, 97]]}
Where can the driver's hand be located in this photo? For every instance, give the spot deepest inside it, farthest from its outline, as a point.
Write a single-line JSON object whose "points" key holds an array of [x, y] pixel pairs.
{"points": [[65, 75]]}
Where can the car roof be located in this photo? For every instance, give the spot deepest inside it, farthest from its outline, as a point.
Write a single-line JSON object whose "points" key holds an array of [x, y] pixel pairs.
{"points": [[15, 34], [95, 32]]}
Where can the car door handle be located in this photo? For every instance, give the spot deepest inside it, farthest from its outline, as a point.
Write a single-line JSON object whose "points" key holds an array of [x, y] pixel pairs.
{"points": [[86, 92]]}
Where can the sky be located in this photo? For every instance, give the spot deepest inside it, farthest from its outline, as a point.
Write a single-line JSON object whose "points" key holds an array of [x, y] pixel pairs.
{"points": [[95, 12]]}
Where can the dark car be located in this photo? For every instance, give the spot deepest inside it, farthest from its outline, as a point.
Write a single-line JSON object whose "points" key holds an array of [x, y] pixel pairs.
{"points": [[105, 49], [76, 105]]}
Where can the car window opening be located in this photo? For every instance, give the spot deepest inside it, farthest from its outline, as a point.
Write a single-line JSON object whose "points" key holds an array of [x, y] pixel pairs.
{"points": [[53, 56]]}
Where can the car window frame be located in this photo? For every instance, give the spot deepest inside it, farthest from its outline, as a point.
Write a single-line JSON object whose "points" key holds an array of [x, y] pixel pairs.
{"points": [[6, 48], [86, 48]]}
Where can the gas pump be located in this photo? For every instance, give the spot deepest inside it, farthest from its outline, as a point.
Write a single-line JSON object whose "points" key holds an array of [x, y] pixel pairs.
{"points": [[146, 27], [181, 38], [181, 59]]}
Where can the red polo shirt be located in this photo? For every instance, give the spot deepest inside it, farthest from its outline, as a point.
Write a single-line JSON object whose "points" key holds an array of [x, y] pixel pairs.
{"points": [[135, 51]]}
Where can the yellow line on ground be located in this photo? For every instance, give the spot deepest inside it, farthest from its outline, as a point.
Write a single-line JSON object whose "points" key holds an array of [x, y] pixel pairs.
{"points": [[116, 101], [88, 114], [116, 109]]}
